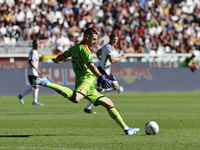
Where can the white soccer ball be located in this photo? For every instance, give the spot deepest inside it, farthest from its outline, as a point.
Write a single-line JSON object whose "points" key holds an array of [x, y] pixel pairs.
{"points": [[151, 128]]}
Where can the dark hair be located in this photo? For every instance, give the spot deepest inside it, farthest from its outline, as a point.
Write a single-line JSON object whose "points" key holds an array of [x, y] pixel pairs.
{"points": [[35, 45], [137, 46], [192, 56], [113, 35], [90, 32]]}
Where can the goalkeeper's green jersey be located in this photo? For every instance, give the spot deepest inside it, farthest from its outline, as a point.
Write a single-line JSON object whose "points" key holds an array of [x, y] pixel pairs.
{"points": [[81, 56]]}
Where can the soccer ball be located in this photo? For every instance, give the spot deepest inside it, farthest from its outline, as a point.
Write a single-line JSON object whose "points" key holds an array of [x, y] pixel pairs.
{"points": [[151, 128]]}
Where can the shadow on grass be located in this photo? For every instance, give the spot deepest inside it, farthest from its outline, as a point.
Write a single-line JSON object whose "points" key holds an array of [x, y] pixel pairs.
{"points": [[25, 114], [23, 136]]}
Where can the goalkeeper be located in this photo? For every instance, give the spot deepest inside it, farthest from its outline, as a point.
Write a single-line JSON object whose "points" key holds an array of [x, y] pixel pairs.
{"points": [[86, 73]]}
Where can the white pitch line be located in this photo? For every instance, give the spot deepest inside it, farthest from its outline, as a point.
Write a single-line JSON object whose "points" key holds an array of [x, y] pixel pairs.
{"points": [[41, 148]]}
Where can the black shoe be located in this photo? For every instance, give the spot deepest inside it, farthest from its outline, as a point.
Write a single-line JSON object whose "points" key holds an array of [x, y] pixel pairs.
{"points": [[89, 111]]}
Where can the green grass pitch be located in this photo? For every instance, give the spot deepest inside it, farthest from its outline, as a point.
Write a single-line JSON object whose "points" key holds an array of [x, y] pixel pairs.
{"points": [[62, 125]]}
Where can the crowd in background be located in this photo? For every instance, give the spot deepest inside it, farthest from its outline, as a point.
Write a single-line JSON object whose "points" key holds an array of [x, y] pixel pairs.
{"points": [[141, 25]]}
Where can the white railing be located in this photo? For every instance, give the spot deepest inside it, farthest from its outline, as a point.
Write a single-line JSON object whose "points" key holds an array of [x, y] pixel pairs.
{"points": [[21, 49]]}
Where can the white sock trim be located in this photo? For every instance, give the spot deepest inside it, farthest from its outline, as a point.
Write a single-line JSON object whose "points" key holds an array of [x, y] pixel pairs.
{"points": [[89, 105], [35, 94]]}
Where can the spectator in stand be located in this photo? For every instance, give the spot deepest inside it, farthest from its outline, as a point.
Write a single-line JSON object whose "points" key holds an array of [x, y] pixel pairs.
{"points": [[20, 3], [196, 14], [134, 23], [10, 3], [56, 30], [130, 49], [141, 30], [153, 45], [196, 40], [67, 10], [121, 45], [169, 43], [127, 37], [10, 31], [27, 37], [31, 2], [180, 48], [53, 4], [188, 47], [82, 10], [7, 17], [131, 8], [104, 39], [21, 37], [4, 7], [14, 15], [94, 9], [38, 17], [3, 31], [41, 32], [187, 20], [73, 31], [169, 27], [135, 39], [139, 19], [50, 16], [177, 37], [76, 9], [43, 7], [152, 21], [152, 30], [20, 19]]}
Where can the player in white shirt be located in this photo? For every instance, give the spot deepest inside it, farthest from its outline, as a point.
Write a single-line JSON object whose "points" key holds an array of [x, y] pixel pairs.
{"points": [[106, 56], [33, 74]]}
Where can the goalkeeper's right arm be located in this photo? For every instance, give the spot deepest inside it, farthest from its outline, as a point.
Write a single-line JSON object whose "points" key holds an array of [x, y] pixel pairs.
{"points": [[59, 58]]}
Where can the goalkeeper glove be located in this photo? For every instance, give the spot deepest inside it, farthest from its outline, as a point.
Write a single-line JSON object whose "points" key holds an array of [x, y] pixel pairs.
{"points": [[106, 83], [54, 60]]}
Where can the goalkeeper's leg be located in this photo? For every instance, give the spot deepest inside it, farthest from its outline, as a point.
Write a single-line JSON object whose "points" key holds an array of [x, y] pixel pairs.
{"points": [[107, 103], [64, 91]]}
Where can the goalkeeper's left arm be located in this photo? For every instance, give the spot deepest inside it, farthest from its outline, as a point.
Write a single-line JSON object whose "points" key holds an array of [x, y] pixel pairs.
{"points": [[106, 83]]}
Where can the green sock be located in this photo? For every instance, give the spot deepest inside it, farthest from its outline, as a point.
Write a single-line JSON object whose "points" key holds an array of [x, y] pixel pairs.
{"points": [[116, 116], [64, 91]]}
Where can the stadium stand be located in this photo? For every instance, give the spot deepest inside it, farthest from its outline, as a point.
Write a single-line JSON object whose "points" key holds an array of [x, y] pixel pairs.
{"points": [[152, 26]]}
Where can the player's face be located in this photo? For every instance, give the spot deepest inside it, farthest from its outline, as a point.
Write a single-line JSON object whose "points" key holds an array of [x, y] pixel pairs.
{"points": [[114, 41], [92, 40], [38, 43]]}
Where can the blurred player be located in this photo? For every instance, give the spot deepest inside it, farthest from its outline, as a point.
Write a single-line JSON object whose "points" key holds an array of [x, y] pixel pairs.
{"points": [[106, 56], [189, 62], [86, 73], [33, 74]]}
